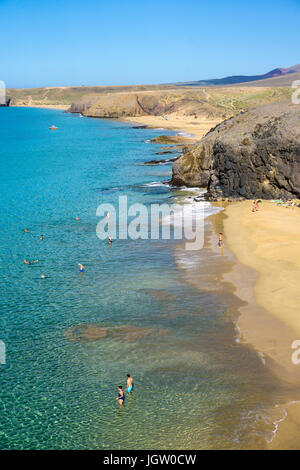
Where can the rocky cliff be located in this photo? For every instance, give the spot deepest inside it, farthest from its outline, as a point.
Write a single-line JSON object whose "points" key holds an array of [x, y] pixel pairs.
{"points": [[253, 155], [8, 102]]}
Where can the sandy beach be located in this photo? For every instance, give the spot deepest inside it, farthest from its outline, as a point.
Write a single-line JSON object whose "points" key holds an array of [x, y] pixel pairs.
{"points": [[267, 246], [44, 106], [195, 128]]}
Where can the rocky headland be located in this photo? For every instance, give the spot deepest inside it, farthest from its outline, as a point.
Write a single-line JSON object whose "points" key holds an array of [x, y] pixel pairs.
{"points": [[255, 154]]}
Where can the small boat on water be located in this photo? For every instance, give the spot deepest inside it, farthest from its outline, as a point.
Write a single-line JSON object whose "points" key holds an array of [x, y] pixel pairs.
{"points": [[53, 128]]}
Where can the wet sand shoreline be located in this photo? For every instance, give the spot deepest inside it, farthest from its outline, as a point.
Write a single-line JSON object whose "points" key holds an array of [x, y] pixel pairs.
{"points": [[267, 246]]}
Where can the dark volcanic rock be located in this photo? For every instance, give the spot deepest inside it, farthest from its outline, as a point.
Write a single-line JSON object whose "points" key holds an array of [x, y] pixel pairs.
{"points": [[253, 155], [192, 168], [8, 102], [161, 162]]}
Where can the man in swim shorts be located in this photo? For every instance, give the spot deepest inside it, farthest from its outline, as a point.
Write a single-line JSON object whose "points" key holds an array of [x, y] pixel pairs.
{"points": [[81, 267], [129, 383]]}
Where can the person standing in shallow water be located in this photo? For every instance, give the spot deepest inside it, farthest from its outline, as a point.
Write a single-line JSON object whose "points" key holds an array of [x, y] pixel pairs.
{"points": [[120, 397], [220, 242], [129, 383]]}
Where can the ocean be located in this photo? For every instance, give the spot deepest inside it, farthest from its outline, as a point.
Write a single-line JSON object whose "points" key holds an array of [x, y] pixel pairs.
{"points": [[196, 387]]}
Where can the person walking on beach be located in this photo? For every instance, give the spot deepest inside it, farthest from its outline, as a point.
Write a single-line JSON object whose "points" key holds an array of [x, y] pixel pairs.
{"points": [[255, 207], [129, 383], [220, 242], [120, 396]]}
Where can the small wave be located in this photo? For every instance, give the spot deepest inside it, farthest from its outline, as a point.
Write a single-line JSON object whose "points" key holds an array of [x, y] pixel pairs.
{"points": [[156, 184], [262, 357], [185, 134], [238, 333], [281, 419]]}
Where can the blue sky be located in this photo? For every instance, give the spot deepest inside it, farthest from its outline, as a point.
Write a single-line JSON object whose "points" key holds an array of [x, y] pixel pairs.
{"points": [[49, 43]]}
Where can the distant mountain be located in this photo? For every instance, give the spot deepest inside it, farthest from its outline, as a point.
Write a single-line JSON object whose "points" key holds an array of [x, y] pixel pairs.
{"points": [[279, 72]]}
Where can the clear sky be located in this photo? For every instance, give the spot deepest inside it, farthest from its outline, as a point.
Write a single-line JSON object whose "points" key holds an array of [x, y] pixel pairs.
{"points": [[121, 42]]}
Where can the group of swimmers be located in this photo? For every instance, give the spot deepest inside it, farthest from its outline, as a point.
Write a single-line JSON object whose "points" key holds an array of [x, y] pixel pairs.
{"points": [[81, 267], [27, 261], [129, 389]]}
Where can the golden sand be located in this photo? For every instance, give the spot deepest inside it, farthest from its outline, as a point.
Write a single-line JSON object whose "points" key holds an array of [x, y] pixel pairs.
{"points": [[267, 244], [43, 106], [194, 127]]}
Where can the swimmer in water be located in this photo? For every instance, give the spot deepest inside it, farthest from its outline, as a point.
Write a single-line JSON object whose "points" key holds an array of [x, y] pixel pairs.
{"points": [[42, 237], [220, 242], [129, 383], [26, 261], [120, 397], [81, 267], [109, 240], [43, 276], [77, 218], [26, 230]]}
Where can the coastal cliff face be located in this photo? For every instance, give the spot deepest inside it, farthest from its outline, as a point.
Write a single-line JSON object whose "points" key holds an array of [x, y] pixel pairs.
{"points": [[253, 155], [152, 103], [8, 102]]}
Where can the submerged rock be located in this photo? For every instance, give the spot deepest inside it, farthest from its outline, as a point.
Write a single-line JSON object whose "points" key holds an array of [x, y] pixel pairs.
{"points": [[161, 162], [126, 333], [170, 139], [253, 155], [84, 332]]}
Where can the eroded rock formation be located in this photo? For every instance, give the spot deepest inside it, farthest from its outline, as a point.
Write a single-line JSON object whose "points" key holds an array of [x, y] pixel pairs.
{"points": [[253, 155]]}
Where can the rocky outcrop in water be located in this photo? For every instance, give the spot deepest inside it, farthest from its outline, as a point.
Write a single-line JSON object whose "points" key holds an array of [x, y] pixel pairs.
{"points": [[125, 333], [253, 155]]}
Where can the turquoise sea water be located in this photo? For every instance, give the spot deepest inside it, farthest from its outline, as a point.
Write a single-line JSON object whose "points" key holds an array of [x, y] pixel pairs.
{"points": [[195, 387]]}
